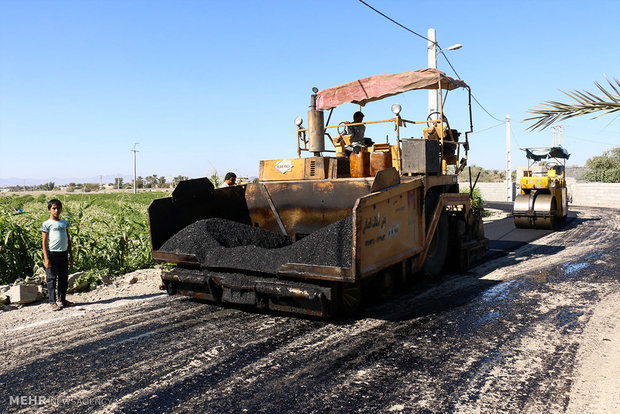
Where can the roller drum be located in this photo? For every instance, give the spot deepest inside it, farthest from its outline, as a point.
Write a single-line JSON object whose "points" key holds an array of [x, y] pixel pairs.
{"points": [[546, 211], [535, 211], [521, 204]]}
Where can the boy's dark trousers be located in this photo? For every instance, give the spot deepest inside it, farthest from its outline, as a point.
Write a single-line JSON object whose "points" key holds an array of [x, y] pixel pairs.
{"points": [[58, 272]]}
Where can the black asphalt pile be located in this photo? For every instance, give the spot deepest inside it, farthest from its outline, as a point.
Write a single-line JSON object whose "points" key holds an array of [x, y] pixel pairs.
{"points": [[203, 235], [221, 243]]}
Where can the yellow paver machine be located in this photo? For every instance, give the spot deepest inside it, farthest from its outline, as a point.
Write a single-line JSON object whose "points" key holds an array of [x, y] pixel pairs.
{"points": [[318, 233], [543, 202]]}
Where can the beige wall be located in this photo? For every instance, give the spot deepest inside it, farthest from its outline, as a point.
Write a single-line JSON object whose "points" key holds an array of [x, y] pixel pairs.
{"points": [[580, 194]]}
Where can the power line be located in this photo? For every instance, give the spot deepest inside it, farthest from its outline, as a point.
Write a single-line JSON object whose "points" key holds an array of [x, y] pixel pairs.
{"points": [[484, 109], [472, 95], [606, 126], [395, 22], [589, 140], [448, 60], [515, 136], [486, 129], [436, 44]]}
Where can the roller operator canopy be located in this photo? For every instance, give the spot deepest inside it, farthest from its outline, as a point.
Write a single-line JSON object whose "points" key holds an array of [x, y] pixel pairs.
{"points": [[378, 87], [544, 153]]}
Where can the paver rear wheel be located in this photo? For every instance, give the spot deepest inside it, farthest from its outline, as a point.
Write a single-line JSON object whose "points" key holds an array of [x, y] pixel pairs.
{"points": [[386, 283], [438, 249], [170, 288]]}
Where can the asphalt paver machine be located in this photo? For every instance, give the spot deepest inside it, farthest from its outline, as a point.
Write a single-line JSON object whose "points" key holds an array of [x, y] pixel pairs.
{"points": [[360, 221]]}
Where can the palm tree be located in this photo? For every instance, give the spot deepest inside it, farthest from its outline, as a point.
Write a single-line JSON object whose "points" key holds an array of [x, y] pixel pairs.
{"points": [[550, 112], [179, 178]]}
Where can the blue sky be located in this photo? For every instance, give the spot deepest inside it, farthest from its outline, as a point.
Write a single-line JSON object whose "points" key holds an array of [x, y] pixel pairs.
{"points": [[211, 85]]}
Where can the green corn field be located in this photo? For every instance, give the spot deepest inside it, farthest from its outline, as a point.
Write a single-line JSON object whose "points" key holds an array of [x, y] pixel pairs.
{"points": [[109, 232]]}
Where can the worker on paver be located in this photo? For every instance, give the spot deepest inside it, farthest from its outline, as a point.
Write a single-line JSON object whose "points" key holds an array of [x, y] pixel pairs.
{"points": [[229, 179]]}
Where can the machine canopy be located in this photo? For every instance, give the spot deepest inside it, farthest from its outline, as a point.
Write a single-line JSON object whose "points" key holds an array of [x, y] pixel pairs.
{"points": [[378, 87], [538, 154]]}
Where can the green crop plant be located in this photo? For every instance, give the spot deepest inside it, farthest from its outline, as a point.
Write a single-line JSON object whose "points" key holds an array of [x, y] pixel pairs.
{"points": [[109, 232], [120, 241], [15, 202], [20, 248]]}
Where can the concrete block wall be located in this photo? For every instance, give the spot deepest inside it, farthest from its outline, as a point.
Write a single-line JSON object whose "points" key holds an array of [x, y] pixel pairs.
{"points": [[494, 191], [580, 194], [594, 194]]}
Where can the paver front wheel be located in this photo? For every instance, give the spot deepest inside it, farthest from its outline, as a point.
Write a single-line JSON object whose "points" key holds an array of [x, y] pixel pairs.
{"points": [[350, 297]]}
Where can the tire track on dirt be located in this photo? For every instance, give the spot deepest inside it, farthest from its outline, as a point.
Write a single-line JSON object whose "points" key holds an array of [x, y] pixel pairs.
{"points": [[83, 364], [296, 360], [209, 363], [71, 330]]}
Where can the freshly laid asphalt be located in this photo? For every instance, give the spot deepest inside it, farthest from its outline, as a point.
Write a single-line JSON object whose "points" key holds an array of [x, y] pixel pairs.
{"points": [[505, 237], [506, 336]]}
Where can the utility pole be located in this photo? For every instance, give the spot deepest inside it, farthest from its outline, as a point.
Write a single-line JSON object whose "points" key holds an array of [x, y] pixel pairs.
{"points": [[508, 164], [134, 150], [433, 94], [559, 128]]}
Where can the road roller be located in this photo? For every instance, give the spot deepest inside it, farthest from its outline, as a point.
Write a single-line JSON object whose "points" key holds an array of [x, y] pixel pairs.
{"points": [[319, 233], [542, 202]]}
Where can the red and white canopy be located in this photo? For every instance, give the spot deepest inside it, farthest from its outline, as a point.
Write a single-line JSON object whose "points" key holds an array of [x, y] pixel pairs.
{"points": [[378, 87]]}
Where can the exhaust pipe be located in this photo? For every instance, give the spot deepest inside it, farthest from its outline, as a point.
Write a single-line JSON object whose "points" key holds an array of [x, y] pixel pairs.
{"points": [[316, 127]]}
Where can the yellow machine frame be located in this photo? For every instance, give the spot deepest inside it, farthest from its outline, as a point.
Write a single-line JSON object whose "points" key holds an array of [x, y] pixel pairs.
{"points": [[543, 199], [439, 131]]}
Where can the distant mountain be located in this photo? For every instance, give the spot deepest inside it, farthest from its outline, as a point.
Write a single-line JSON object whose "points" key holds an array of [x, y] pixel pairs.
{"points": [[105, 179]]}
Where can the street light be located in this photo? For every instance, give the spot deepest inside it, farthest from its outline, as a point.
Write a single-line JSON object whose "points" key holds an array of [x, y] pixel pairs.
{"points": [[453, 47], [134, 150], [433, 94]]}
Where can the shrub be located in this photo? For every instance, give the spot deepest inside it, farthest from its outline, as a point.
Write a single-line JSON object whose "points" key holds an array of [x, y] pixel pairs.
{"points": [[604, 168], [477, 200]]}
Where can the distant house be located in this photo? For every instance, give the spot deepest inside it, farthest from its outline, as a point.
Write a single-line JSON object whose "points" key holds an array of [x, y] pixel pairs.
{"points": [[576, 172], [4, 190]]}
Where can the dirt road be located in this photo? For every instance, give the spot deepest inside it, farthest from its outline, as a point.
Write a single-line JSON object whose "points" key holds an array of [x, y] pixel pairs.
{"points": [[534, 331]]}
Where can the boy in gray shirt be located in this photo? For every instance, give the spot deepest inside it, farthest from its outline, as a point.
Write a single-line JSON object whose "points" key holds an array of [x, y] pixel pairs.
{"points": [[57, 255]]}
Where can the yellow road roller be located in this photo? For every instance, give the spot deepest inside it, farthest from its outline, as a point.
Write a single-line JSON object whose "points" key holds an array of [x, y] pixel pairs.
{"points": [[543, 202]]}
